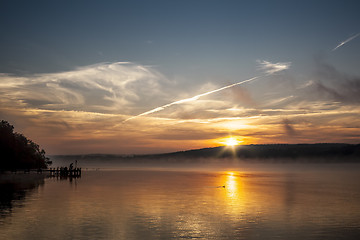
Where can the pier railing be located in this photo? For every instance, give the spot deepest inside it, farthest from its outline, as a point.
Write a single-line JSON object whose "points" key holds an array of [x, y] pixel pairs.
{"points": [[53, 172], [64, 171]]}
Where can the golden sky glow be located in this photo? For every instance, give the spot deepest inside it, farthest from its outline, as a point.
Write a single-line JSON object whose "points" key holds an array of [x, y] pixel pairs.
{"points": [[230, 141], [85, 113]]}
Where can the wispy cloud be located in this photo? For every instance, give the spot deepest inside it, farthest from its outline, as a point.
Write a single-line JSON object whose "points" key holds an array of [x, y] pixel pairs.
{"points": [[190, 99], [334, 85], [346, 41], [105, 88], [81, 111], [288, 127], [271, 68]]}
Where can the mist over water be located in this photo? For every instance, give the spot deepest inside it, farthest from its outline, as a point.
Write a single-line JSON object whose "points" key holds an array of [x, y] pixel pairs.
{"points": [[104, 163], [234, 200]]}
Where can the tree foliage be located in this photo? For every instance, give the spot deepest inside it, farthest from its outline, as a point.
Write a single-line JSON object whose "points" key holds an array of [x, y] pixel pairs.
{"points": [[18, 152]]}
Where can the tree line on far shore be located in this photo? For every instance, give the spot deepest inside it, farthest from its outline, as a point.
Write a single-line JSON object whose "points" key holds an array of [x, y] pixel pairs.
{"points": [[18, 152]]}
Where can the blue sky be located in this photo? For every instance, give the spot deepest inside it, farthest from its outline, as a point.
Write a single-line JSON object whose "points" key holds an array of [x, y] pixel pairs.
{"points": [[177, 36], [175, 50]]}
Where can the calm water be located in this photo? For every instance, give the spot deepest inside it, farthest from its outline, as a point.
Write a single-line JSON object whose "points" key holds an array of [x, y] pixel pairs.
{"points": [[178, 204]]}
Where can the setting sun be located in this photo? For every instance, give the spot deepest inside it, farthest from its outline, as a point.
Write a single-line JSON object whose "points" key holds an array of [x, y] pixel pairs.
{"points": [[231, 141]]}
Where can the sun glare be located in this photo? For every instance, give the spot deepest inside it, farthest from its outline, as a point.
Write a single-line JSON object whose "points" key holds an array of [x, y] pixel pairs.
{"points": [[231, 141]]}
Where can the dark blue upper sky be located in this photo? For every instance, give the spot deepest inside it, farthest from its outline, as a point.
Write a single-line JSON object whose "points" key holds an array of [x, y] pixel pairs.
{"points": [[187, 38]]}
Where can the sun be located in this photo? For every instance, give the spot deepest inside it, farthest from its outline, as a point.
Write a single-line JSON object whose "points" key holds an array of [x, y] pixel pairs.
{"points": [[231, 141]]}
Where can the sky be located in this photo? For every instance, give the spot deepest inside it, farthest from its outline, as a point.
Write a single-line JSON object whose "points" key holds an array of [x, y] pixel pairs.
{"points": [[138, 77]]}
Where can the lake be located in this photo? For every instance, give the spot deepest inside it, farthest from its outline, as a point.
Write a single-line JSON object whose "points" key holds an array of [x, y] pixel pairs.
{"points": [[265, 202]]}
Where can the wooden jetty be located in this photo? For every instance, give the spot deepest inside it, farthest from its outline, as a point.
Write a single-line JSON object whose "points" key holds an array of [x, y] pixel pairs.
{"points": [[65, 172], [53, 172]]}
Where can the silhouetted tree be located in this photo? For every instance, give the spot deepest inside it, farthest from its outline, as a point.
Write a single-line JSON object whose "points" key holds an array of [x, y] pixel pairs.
{"points": [[16, 151]]}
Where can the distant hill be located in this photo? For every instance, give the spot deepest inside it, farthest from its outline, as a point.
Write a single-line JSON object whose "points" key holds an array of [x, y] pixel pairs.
{"points": [[322, 152]]}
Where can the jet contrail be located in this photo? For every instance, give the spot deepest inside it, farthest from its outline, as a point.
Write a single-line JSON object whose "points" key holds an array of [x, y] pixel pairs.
{"points": [[346, 41], [270, 68], [191, 99]]}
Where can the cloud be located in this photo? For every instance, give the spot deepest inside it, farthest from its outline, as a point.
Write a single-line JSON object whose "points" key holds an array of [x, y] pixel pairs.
{"points": [[289, 129], [81, 111], [346, 41], [191, 99], [271, 68], [243, 96], [106, 87], [335, 85]]}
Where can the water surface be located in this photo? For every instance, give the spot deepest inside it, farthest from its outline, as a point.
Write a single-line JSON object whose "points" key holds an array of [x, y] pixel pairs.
{"points": [[177, 204]]}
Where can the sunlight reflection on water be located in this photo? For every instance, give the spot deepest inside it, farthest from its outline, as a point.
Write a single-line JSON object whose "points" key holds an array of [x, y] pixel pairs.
{"points": [[134, 204]]}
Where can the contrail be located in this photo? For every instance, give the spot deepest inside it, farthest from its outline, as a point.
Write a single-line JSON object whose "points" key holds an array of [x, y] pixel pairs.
{"points": [[270, 68], [191, 99], [346, 41]]}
